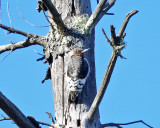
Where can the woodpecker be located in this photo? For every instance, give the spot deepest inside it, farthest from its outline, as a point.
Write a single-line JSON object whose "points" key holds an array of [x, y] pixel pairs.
{"points": [[78, 70]]}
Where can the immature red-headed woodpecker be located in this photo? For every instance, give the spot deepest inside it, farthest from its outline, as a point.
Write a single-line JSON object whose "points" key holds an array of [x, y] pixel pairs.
{"points": [[78, 70]]}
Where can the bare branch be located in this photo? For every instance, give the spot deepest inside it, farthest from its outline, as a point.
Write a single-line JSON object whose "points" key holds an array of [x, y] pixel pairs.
{"points": [[12, 30], [46, 17], [55, 15], [4, 118], [6, 56], [117, 45], [9, 14], [22, 44], [125, 22], [38, 53], [119, 124], [106, 37], [8, 37], [109, 13], [99, 12], [50, 116], [26, 19], [14, 113]]}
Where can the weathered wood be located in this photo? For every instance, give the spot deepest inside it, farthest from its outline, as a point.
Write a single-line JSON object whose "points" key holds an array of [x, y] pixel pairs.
{"points": [[72, 115]]}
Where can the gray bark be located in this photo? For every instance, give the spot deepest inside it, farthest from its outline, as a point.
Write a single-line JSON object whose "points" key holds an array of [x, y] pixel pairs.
{"points": [[65, 114]]}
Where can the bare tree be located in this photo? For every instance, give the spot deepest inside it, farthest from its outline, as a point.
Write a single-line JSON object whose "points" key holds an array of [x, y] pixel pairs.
{"points": [[71, 26]]}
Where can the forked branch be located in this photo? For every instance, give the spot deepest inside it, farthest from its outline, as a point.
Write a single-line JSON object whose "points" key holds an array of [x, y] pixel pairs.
{"points": [[118, 125], [99, 12], [14, 113], [117, 45], [4, 118]]}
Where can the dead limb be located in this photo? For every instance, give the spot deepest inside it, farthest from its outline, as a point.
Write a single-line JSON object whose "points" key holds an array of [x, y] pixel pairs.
{"points": [[99, 12], [22, 44], [12, 30], [4, 118], [39, 122], [26, 19], [9, 14], [14, 113], [118, 125], [125, 22], [6, 56], [51, 117], [117, 45], [55, 15]]}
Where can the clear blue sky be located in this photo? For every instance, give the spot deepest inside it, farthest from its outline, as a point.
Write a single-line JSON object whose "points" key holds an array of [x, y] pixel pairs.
{"points": [[133, 93]]}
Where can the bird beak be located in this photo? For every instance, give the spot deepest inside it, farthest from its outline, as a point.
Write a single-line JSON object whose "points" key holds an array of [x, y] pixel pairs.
{"points": [[85, 50]]}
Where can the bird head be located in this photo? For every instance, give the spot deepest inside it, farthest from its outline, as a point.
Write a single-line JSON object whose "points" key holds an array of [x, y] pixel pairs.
{"points": [[78, 52]]}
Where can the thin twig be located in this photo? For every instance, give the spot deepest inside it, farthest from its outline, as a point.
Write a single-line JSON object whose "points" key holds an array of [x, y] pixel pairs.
{"points": [[26, 19], [4, 118], [46, 17], [37, 52], [22, 44], [119, 124], [0, 12], [6, 56], [40, 59], [109, 13], [106, 37], [8, 37], [9, 14], [56, 16], [50, 116]]}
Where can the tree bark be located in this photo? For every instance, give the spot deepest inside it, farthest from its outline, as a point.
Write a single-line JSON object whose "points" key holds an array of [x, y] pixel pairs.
{"points": [[71, 26], [57, 53]]}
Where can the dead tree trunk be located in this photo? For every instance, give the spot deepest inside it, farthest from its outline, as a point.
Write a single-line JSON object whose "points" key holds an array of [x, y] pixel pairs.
{"points": [[75, 14], [71, 26]]}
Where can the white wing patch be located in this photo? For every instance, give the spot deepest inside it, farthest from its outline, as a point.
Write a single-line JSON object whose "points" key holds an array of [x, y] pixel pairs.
{"points": [[77, 85]]}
